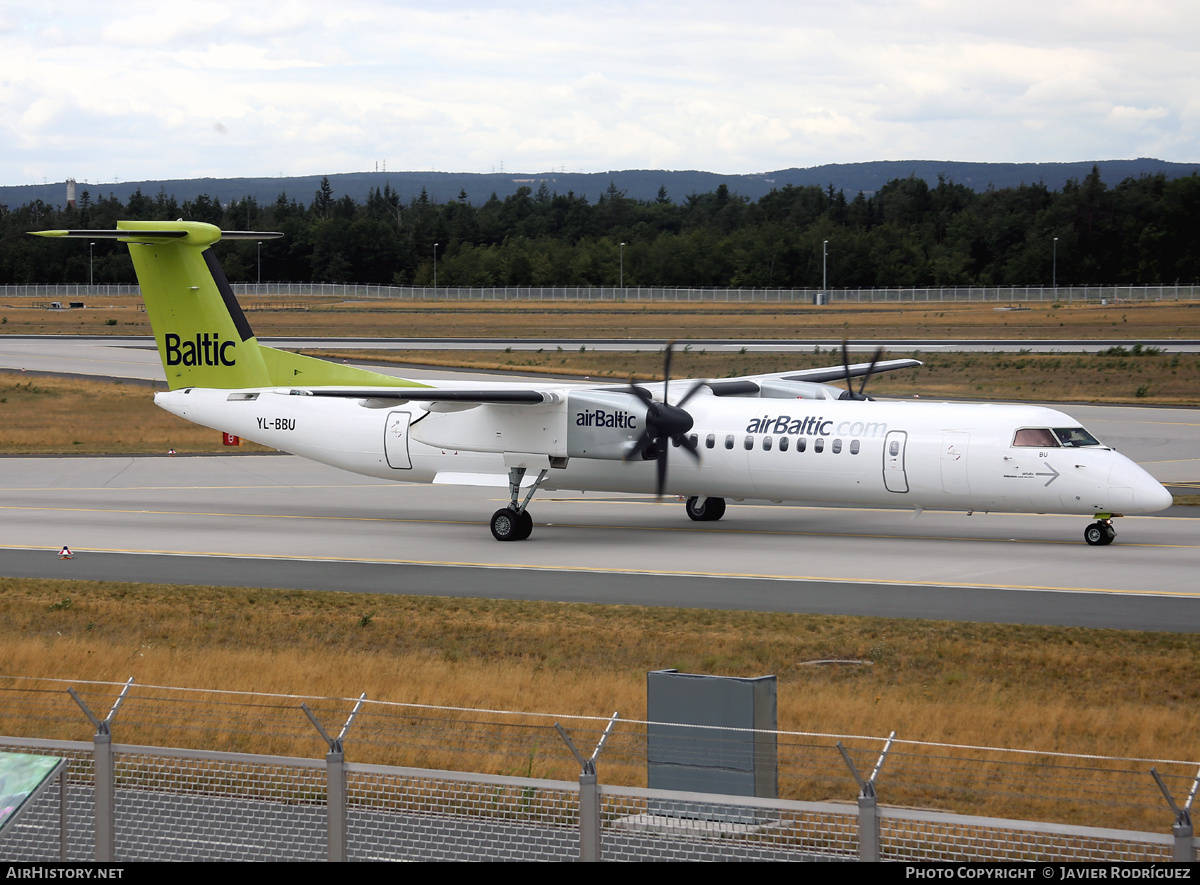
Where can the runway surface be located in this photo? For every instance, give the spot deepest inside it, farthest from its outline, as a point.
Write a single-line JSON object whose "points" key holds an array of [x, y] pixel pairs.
{"points": [[279, 521]]}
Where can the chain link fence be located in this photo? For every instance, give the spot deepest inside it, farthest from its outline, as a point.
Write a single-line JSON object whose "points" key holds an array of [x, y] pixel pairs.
{"points": [[364, 292], [446, 783]]}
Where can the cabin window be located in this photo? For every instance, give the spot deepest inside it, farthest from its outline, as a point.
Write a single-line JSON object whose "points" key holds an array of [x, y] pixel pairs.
{"points": [[1035, 438], [729, 441], [694, 440], [710, 441], [853, 447], [801, 444], [894, 448], [837, 446], [783, 443], [749, 443], [1073, 437], [767, 443], [819, 445]]}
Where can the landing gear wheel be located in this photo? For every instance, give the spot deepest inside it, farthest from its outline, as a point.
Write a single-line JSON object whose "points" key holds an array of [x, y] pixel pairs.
{"points": [[509, 525], [710, 511], [1099, 534]]}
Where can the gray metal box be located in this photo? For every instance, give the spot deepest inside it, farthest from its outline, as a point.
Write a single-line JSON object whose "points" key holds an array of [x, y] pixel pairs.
{"points": [[736, 753]]}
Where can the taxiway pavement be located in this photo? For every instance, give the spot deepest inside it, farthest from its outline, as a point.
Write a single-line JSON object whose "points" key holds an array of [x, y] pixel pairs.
{"points": [[280, 521]]}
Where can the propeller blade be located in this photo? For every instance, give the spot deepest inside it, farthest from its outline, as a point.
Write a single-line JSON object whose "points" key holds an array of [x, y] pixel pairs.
{"points": [[687, 396], [667, 368], [686, 443], [645, 441], [661, 481], [870, 371]]}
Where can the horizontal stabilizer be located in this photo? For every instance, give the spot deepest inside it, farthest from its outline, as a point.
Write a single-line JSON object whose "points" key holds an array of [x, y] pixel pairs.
{"points": [[164, 234]]}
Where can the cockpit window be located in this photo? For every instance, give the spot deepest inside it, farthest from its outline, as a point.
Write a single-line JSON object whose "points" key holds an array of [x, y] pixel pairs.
{"points": [[1075, 436], [1035, 437]]}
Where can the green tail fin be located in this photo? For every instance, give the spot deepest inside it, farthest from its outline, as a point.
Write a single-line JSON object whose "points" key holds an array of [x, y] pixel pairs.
{"points": [[203, 337]]}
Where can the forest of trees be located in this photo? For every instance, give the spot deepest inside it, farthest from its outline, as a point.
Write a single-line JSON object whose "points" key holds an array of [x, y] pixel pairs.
{"points": [[1143, 231]]}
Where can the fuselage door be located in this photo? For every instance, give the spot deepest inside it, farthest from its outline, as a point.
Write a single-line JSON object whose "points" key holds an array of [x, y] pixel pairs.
{"points": [[395, 440], [894, 477], [954, 462]]}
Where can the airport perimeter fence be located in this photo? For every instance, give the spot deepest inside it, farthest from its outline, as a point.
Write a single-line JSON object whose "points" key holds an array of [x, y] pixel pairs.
{"points": [[943, 294], [228, 775]]}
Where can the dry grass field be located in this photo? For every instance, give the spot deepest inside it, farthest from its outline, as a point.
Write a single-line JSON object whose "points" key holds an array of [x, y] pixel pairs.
{"points": [[40, 415], [1120, 377], [329, 317], [1051, 689]]}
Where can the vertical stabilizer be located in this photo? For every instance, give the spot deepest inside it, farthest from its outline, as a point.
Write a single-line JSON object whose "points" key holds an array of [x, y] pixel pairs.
{"points": [[202, 335]]}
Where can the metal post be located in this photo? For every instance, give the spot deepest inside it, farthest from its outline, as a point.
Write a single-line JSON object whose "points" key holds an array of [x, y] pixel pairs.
{"points": [[1183, 850], [868, 804], [589, 794], [435, 245], [90, 264], [259, 265], [622, 283], [105, 781], [824, 266], [62, 812], [1054, 279], [335, 783]]}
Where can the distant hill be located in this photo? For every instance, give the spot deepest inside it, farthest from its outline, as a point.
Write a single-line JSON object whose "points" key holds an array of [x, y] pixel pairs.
{"points": [[638, 184]]}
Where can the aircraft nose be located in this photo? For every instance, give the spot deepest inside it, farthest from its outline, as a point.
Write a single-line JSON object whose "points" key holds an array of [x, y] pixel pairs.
{"points": [[1150, 495]]}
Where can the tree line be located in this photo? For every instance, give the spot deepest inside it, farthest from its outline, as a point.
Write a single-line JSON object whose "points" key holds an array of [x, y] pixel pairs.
{"points": [[1143, 231]]}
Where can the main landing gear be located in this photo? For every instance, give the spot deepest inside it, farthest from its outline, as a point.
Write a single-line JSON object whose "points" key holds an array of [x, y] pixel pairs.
{"points": [[514, 523], [1100, 533], [705, 509]]}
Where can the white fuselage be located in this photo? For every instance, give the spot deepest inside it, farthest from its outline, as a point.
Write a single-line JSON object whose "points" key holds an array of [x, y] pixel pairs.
{"points": [[924, 455]]}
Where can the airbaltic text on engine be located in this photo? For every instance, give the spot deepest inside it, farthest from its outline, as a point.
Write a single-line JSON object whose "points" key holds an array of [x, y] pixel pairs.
{"points": [[603, 418], [810, 426], [204, 351]]}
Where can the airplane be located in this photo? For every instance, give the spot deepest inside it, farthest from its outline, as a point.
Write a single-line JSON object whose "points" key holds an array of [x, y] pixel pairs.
{"points": [[781, 437]]}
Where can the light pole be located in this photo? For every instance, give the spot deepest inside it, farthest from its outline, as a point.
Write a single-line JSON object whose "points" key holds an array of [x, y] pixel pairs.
{"points": [[824, 266], [435, 245], [260, 262], [90, 265], [622, 265], [1054, 272]]}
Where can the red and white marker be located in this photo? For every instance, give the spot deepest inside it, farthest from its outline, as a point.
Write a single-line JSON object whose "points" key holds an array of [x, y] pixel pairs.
{"points": [[66, 553]]}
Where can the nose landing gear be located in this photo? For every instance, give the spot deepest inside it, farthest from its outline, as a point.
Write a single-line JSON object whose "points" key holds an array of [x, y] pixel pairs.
{"points": [[1100, 533]]}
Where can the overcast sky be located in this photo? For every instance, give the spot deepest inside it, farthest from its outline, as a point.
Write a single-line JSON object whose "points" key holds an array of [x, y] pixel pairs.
{"points": [[145, 90]]}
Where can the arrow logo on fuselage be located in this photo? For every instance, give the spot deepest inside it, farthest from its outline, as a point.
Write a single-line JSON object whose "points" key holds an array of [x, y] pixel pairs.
{"points": [[1053, 474]]}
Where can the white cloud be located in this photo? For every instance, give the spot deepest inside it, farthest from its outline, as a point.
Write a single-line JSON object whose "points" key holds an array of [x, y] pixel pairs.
{"points": [[752, 87]]}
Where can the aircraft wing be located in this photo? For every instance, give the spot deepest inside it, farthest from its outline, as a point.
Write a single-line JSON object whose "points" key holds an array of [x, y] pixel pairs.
{"points": [[539, 393], [748, 385]]}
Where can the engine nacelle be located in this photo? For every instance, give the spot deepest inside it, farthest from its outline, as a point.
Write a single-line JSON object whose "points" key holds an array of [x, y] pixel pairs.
{"points": [[798, 390], [603, 424], [588, 424]]}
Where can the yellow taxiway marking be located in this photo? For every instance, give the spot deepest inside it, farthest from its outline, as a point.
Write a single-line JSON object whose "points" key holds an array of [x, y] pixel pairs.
{"points": [[612, 570], [724, 529]]}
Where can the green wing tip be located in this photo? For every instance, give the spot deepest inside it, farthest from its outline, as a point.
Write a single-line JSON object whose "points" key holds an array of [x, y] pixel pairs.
{"points": [[48, 233]]}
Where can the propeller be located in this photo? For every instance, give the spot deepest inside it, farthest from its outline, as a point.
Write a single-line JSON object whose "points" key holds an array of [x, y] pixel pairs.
{"points": [[850, 394], [664, 422]]}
